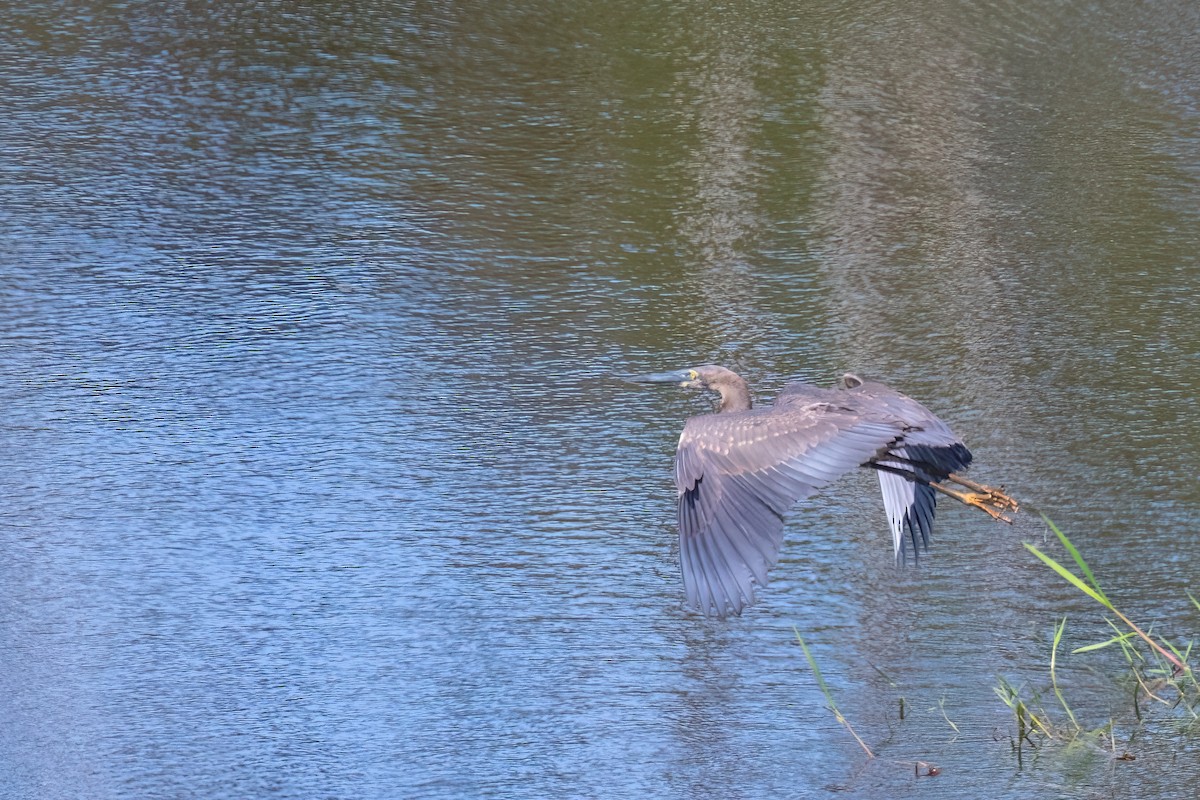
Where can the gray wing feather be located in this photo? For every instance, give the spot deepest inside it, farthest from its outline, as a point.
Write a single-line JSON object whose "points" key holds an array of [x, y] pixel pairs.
{"points": [[931, 451], [738, 474], [910, 507]]}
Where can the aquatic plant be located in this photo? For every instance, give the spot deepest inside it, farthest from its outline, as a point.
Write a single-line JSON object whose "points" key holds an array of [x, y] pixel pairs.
{"points": [[837, 714], [1159, 670], [1092, 589], [921, 769]]}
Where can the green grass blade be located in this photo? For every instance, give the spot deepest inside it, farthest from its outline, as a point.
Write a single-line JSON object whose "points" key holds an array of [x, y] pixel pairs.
{"points": [[1083, 567], [1069, 576], [1101, 645], [1058, 632], [945, 716], [1174, 649], [812, 662], [1008, 694]]}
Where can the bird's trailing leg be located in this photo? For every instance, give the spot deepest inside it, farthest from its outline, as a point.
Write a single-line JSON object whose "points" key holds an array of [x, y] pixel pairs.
{"points": [[989, 498], [998, 496], [993, 501]]}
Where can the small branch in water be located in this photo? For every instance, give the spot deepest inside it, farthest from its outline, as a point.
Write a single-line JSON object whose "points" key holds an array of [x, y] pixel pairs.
{"points": [[829, 695]]}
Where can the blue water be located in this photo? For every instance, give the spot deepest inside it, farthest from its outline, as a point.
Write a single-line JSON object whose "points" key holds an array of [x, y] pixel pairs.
{"points": [[316, 480]]}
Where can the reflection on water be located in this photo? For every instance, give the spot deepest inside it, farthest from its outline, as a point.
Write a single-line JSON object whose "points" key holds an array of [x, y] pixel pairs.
{"points": [[910, 223], [316, 483]]}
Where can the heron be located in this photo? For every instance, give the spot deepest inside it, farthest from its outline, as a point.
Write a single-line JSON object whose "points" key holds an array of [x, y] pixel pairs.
{"points": [[740, 469]]}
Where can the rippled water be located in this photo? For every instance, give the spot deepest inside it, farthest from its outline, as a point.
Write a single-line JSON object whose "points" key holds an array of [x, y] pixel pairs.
{"points": [[315, 479]]}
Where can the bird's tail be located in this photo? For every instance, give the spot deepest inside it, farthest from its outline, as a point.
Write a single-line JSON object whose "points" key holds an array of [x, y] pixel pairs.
{"points": [[905, 478]]}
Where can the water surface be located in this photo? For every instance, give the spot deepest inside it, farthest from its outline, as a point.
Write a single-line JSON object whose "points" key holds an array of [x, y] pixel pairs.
{"points": [[316, 482]]}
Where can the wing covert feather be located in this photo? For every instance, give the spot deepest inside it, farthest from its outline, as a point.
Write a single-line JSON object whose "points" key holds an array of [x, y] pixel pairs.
{"points": [[737, 474]]}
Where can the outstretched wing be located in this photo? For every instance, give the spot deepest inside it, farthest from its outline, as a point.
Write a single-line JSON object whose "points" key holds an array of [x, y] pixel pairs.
{"points": [[738, 473]]}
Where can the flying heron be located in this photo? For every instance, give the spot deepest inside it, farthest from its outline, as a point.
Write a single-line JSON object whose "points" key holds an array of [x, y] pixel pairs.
{"points": [[740, 469]]}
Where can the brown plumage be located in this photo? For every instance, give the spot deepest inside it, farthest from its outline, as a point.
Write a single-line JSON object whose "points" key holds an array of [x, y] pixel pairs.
{"points": [[739, 470]]}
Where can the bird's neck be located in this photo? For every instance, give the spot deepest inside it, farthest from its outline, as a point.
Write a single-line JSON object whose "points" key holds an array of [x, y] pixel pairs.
{"points": [[735, 396]]}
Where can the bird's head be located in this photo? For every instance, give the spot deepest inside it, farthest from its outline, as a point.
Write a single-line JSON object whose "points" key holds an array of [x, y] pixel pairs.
{"points": [[735, 395], [705, 377]]}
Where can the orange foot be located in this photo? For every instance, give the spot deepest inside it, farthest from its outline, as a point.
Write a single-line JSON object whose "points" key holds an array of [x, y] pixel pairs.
{"points": [[992, 501], [996, 496]]}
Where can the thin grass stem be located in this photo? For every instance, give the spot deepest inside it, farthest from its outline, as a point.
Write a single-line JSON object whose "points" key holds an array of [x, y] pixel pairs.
{"points": [[1058, 632], [1092, 589], [812, 662]]}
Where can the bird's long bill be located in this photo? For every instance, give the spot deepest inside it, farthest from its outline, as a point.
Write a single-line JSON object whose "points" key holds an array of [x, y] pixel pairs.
{"points": [[678, 376]]}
